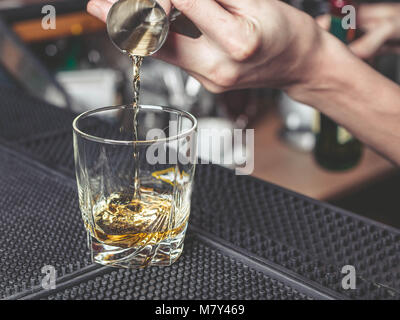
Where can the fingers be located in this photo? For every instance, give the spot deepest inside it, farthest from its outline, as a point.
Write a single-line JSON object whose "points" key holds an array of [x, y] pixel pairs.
{"points": [[232, 5], [369, 44], [209, 85], [166, 5], [100, 8], [208, 16], [204, 13], [236, 35], [376, 11], [185, 52], [195, 56]]}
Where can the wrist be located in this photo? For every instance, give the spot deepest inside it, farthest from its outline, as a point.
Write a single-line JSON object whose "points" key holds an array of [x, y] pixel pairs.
{"points": [[323, 71]]}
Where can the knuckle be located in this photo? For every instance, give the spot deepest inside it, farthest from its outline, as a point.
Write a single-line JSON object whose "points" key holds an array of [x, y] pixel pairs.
{"points": [[240, 52], [244, 47], [224, 75], [214, 88]]}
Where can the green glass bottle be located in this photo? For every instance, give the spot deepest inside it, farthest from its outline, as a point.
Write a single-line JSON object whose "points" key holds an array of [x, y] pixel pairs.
{"points": [[336, 148]]}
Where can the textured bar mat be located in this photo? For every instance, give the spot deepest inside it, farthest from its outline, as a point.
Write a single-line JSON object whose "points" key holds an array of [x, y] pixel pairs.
{"points": [[40, 225], [310, 238], [23, 116], [305, 236], [201, 273]]}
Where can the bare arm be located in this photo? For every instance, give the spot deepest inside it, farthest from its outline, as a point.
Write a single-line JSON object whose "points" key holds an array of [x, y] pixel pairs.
{"points": [[254, 43], [355, 96]]}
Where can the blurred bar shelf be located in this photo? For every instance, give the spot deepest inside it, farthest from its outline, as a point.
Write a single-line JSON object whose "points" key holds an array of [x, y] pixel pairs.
{"points": [[25, 17], [72, 24], [277, 162]]}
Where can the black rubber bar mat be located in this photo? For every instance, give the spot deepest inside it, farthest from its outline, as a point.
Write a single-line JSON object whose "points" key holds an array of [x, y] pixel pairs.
{"points": [[202, 273], [41, 226], [303, 236], [23, 116], [310, 238]]}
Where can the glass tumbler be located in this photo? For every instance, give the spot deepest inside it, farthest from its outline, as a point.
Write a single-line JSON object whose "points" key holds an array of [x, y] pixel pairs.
{"points": [[134, 171]]}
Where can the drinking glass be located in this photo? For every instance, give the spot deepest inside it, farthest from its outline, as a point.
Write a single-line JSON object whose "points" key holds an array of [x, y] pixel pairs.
{"points": [[134, 173]]}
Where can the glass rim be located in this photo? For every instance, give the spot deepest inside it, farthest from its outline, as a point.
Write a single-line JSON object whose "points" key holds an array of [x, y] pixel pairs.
{"points": [[133, 142]]}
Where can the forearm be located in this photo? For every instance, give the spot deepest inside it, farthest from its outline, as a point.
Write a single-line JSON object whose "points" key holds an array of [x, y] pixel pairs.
{"points": [[355, 96]]}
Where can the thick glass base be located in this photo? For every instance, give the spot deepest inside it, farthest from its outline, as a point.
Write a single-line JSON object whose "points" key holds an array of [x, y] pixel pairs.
{"points": [[163, 253]]}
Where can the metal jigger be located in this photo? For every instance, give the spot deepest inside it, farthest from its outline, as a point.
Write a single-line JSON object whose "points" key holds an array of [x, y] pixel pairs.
{"points": [[137, 27]]}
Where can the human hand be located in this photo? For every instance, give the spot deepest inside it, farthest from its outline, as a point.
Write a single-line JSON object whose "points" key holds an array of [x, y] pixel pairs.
{"points": [[380, 23], [248, 43], [100, 8]]}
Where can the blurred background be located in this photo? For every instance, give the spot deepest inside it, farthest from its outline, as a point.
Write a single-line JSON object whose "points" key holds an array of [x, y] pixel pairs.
{"points": [[75, 66]]}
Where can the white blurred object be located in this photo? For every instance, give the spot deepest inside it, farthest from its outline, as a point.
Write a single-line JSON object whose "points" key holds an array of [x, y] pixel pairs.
{"points": [[299, 121], [216, 143], [296, 114], [90, 88]]}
